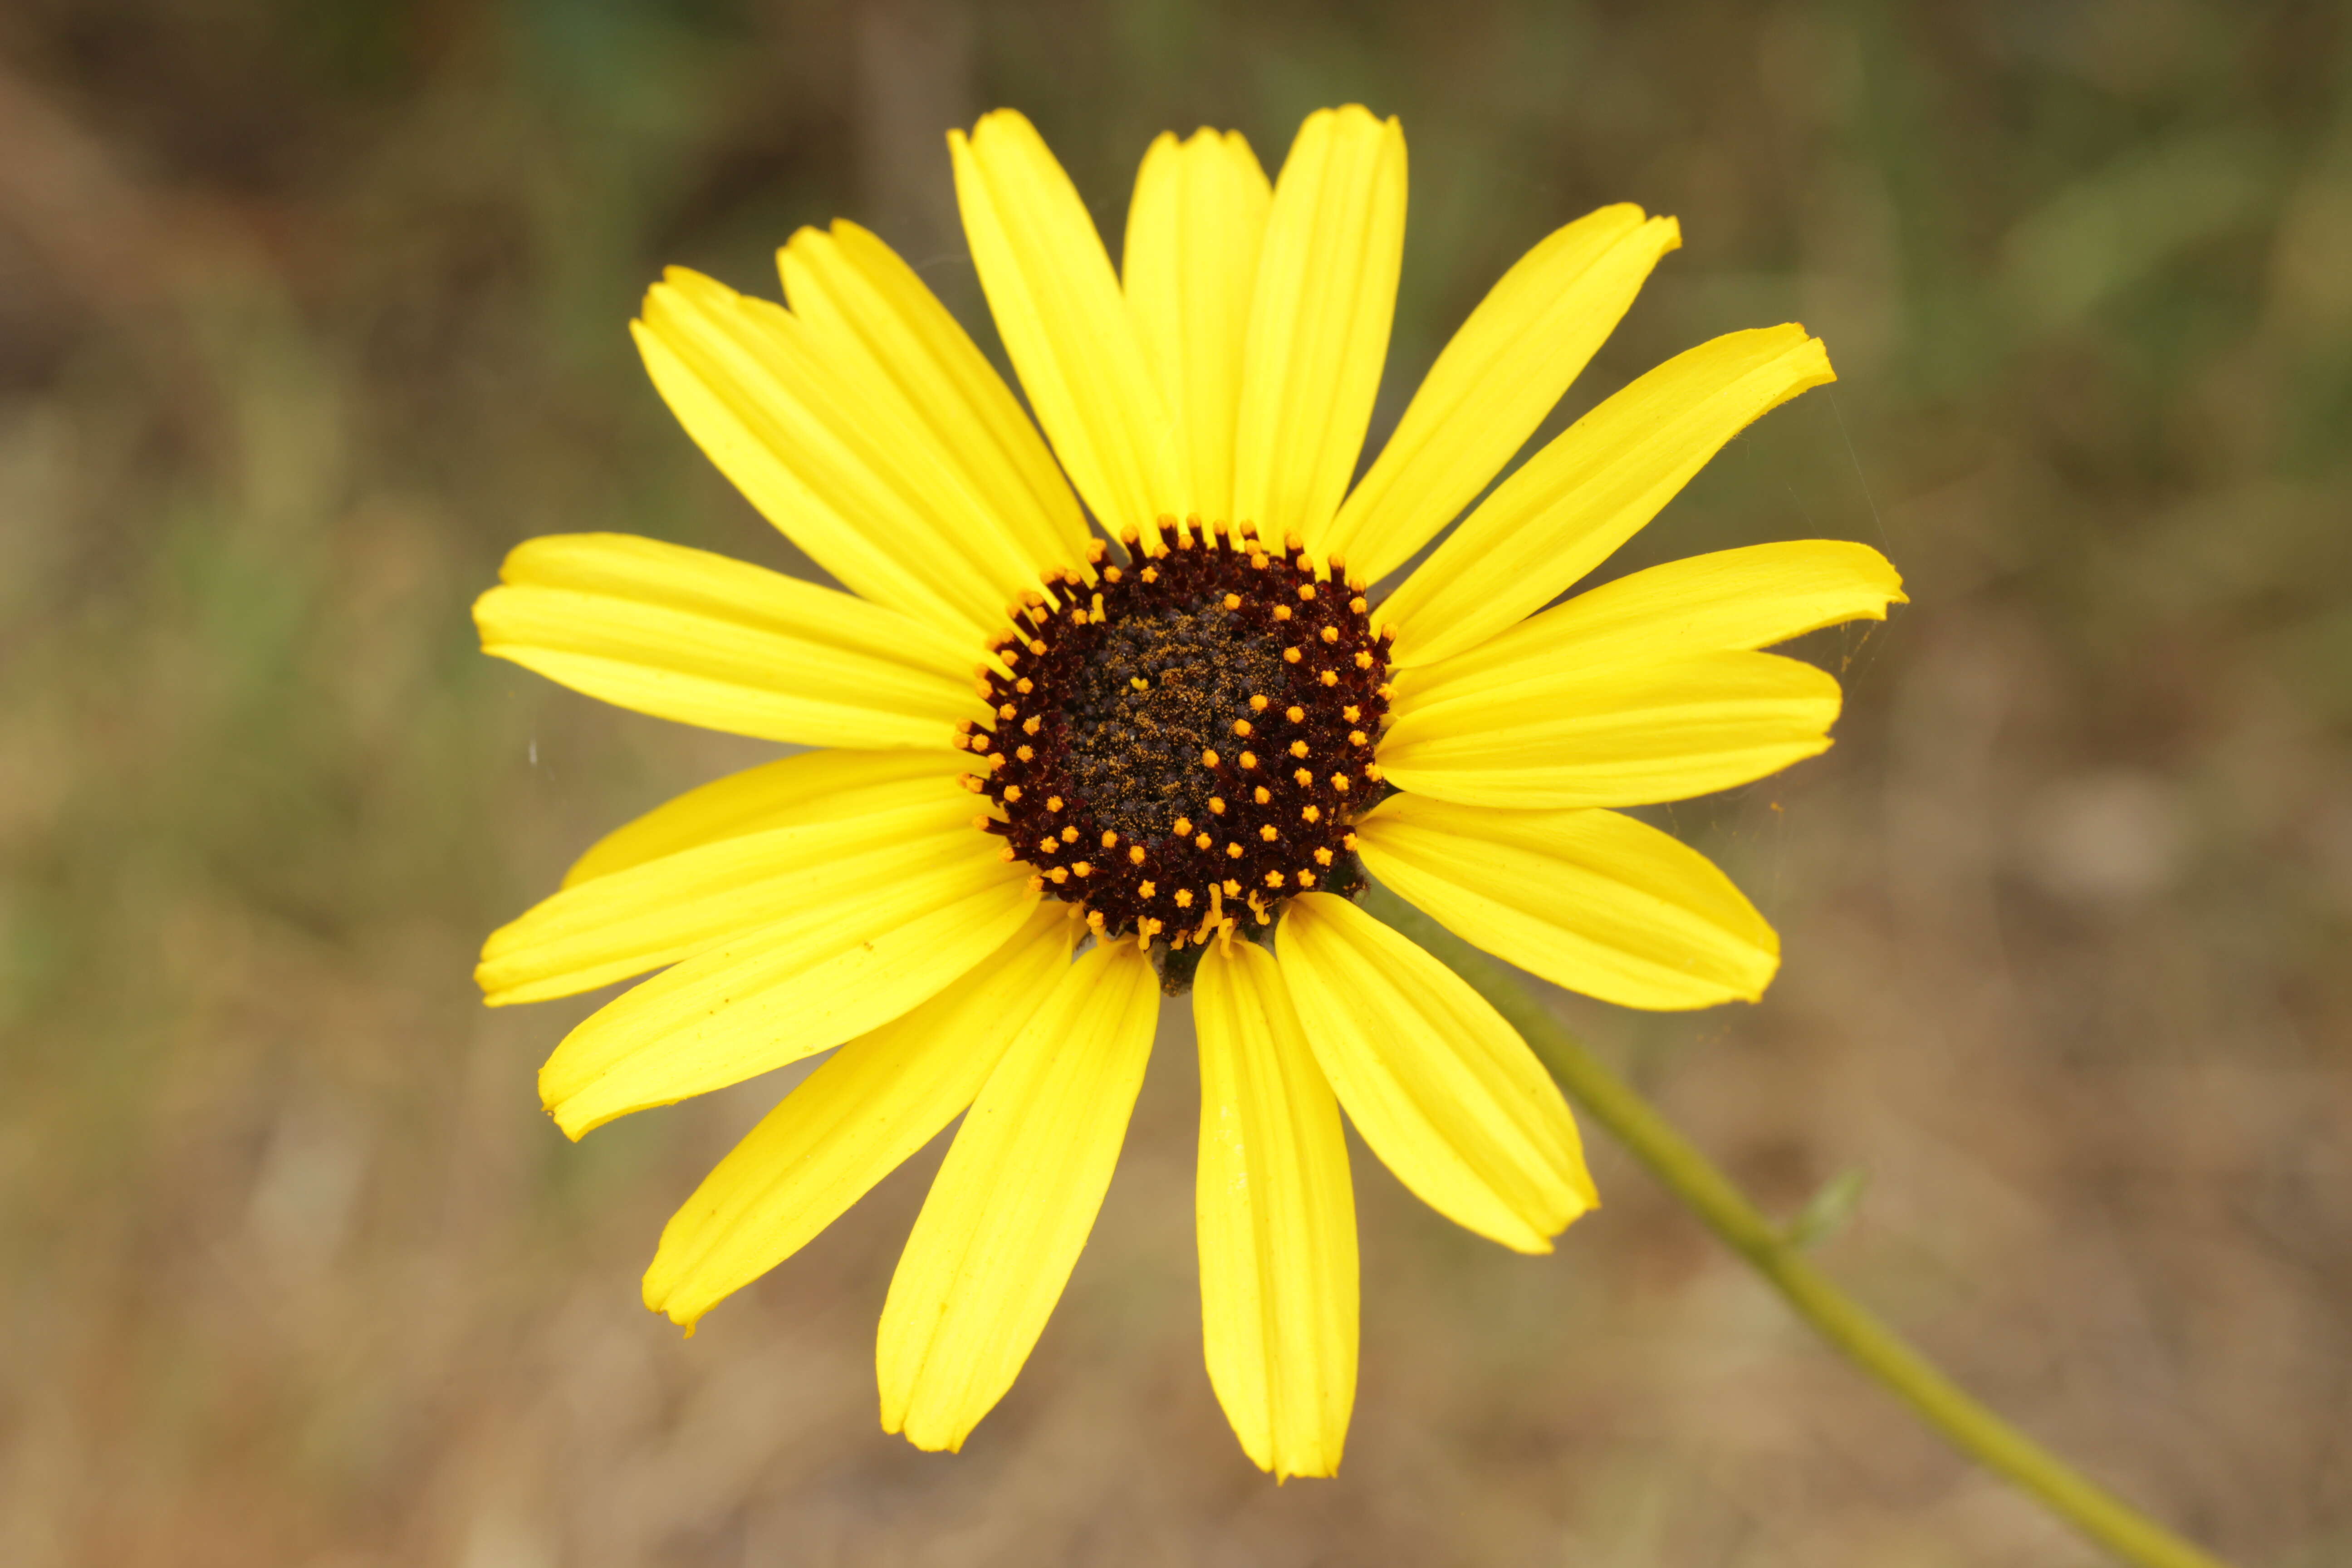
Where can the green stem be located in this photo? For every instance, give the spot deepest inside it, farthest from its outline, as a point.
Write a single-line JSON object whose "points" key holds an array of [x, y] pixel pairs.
{"points": [[1878, 1348]]}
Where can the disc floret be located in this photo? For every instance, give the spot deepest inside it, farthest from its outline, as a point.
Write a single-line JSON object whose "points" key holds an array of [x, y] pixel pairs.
{"points": [[1179, 742]]}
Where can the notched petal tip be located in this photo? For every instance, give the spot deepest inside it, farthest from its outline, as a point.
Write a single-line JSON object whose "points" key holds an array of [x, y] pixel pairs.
{"points": [[1660, 232], [1353, 119], [553, 1100], [1889, 581], [924, 1430], [995, 125], [658, 1301], [563, 1108], [555, 1114], [1314, 1468], [484, 609], [498, 991], [680, 289], [1811, 365]]}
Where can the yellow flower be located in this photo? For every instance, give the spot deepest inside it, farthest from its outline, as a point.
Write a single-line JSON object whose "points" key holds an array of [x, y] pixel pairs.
{"points": [[1166, 753]]}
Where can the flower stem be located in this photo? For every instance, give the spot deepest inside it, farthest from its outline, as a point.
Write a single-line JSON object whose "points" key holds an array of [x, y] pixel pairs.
{"points": [[1866, 1341]]}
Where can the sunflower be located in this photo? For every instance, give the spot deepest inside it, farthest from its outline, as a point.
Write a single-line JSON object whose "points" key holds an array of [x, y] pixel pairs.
{"points": [[1174, 748]]}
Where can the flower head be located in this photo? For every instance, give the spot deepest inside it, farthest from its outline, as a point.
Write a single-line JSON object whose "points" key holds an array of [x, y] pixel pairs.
{"points": [[1180, 743]]}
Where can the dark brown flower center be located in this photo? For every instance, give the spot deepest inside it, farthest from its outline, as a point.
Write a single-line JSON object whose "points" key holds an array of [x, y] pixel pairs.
{"points": [[1188, 741]]}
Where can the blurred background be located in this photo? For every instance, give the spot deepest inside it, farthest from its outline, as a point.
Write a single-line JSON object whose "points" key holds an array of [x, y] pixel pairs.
{"points": [[308, 312]]}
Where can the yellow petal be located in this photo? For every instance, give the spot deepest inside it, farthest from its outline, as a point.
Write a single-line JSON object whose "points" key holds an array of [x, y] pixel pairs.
{"points": [[1745, 598], [1190, 262], [1278, 1221], [1533, 736], [1057, 306], [1318, 329], [1014, 1200], [661, 911], [1445, 1092], [1590, 899], [814, 786], [835, 460], [1593, 487], [686, 635], [878, 324], [839, 967], [1498, 379], [854, 1120]]}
